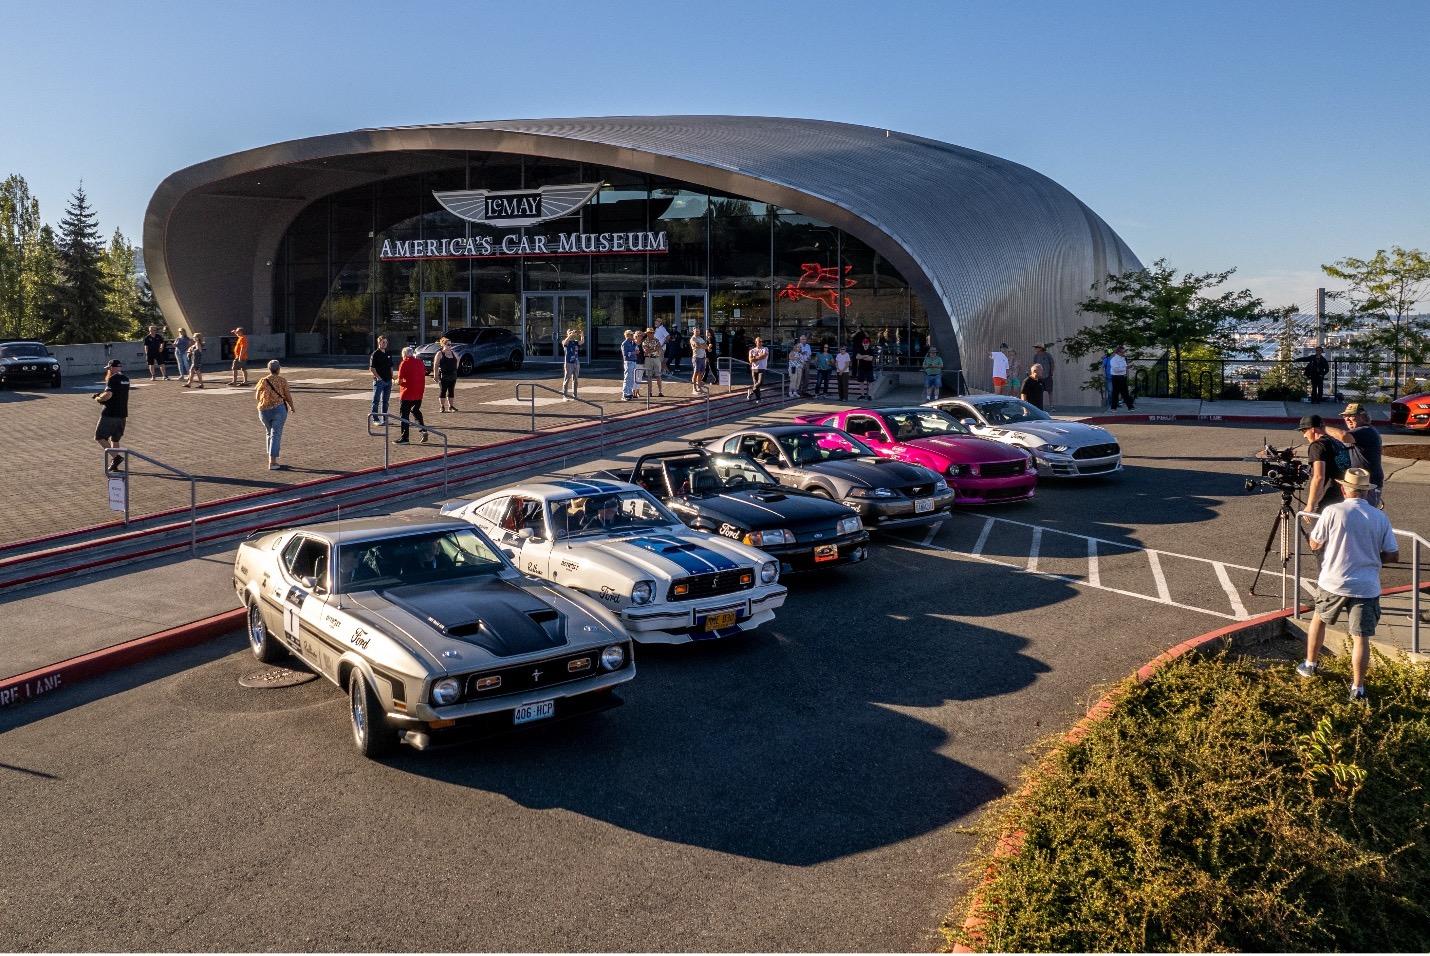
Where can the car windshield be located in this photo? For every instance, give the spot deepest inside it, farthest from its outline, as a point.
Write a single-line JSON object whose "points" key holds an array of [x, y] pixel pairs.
{"points": [[24, 351], [416, 559], [1012, 412], [922, 423], [712, 474], [609, 512], [463, 336], [817, 445]]}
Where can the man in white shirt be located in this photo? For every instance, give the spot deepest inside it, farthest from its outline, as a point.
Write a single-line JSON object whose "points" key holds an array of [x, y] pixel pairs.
{"points": [[759, 359], [1354, 539], [1000, 369], [842, 362], [1117, 366]]}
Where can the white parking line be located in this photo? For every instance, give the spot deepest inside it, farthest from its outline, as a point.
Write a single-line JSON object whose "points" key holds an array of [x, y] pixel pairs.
{"points": [[1158, 576], [982, 538], [1094, 574], [319, 381], [1033, 549], [1237, 607]]}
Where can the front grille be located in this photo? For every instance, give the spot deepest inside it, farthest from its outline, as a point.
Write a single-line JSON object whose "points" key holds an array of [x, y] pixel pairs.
{"points": [[919, 491], [1097, 451], [540, 674], [826, 532], [992, 493], [1399, 413], [1003, 469], [714, 585]]}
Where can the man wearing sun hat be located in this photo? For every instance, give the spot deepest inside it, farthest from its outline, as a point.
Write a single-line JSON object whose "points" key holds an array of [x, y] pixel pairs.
{"points": [[1354, 541]]}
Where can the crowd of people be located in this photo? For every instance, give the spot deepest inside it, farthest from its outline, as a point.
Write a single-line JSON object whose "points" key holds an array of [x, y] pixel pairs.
{"points": [[1036, 386]]}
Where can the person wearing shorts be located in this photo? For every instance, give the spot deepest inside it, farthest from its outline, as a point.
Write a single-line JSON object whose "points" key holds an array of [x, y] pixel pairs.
{"points": [[1354, 540], [240, 357], [114, 410], [654, 353], [699, 352]]}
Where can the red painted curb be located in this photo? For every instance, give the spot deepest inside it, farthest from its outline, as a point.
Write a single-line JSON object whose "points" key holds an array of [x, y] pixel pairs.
{"points": [[1011, 842], [43, 680]]}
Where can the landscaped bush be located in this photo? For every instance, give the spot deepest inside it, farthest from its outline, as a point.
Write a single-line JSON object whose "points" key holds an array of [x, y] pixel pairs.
{"points": [[1280, 393], [1225, 805]]}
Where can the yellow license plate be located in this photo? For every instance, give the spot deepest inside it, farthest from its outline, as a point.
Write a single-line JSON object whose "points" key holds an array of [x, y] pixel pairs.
{"points": [[826, 552], [721, 620]]}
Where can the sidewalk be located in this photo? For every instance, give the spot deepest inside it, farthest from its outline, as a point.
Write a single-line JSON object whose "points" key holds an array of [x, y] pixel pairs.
{"points": [[1195, 408]]}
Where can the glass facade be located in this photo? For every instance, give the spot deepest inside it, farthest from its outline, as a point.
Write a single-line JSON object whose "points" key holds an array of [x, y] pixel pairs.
{"points": [[738, 267]]}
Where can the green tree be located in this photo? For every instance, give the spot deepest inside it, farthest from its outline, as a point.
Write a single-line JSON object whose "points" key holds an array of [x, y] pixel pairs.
{"points": [[1154, 309], [146, 310], [41, 285], [1285, 381], [118, 265], [84, 289], [1383, 293], [20, 226]]}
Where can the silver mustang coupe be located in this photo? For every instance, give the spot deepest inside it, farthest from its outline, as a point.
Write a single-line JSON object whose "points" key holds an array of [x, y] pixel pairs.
{"points": [[432, 632], [1061, 449]]}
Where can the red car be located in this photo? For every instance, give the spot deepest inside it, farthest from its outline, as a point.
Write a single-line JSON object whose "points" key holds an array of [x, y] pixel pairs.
{"points": [[981, 471], [1411, 411]]}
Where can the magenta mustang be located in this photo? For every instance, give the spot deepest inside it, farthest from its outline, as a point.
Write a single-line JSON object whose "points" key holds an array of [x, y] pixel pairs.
{"points": [[981, 471]]}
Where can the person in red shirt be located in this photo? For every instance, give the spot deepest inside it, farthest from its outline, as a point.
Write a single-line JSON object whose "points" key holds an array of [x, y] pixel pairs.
{"points": [[411, 379]]}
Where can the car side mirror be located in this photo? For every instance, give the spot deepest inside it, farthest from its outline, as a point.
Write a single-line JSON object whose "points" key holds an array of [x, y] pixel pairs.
{"points": [[309, 582], [510, 554], [970, 422]]}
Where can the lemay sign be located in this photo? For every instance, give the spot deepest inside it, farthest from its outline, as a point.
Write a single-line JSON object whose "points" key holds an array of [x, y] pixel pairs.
{"points": [[514, 209]]}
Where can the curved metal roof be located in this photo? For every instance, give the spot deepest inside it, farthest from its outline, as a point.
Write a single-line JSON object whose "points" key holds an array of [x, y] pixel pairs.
{"points": [[996, 250]]}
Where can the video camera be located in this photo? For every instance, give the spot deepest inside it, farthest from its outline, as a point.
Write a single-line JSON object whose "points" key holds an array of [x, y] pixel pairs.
{"points": [[1281, 470]]}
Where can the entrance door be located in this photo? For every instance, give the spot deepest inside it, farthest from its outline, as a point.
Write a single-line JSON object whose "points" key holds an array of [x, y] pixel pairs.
{"points": [[546, 316], [442, 311], [681, 311]]}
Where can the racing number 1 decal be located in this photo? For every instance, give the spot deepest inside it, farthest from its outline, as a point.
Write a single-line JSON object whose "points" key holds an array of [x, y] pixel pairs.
{"points": [[292, 602]]}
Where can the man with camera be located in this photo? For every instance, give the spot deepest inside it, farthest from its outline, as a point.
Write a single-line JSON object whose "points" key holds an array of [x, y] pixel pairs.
{"points": [[1329, 460], [1363, 443], [1354, 540]]}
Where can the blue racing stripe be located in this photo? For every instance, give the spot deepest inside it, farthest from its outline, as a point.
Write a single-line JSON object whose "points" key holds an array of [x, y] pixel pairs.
{"points": [[692, 558], [593, 487]]}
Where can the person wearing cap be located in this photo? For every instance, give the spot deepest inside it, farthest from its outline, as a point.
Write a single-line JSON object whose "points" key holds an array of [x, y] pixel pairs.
{"points": [[933, 373], [240, 357], [1364, 444], [1329, 460], [1042, 358], [631, 359], [114, 410], [1354, 541]]}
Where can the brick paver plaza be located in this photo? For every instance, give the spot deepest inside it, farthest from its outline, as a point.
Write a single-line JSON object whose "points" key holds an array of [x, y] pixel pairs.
{"points": [[53, 475]]}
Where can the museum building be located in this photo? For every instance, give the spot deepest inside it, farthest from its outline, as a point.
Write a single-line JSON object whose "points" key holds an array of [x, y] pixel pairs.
{"points": [[745, 225]]}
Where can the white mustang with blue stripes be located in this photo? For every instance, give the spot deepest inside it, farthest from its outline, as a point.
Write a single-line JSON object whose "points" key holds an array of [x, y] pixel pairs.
{"points": [[614, 541]]}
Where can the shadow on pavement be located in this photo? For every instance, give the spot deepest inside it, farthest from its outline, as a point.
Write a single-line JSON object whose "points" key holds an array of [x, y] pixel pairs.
{"points": [[793, 745]]}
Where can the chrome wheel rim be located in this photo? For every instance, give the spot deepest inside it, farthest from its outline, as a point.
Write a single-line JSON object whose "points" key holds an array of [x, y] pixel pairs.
{"points": [[256, 630], [357, 708]]}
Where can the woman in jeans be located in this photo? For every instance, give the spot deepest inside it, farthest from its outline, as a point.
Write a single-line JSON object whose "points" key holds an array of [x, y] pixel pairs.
{"points": [[275, 402], [444, 373]]}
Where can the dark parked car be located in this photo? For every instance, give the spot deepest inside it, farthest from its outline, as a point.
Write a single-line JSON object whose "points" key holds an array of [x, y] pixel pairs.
{"points": [[27, 363], [732, 495], [836, 465], [478, 347]]}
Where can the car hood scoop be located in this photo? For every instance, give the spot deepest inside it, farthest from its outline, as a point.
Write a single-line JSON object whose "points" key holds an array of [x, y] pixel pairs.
{"points": [[494, 615]]}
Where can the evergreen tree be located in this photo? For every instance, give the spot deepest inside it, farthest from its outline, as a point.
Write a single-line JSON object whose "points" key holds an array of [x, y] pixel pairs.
{"points": [[84, 314], [19, 230], [119, 270], [41, 286], [146, 309]]}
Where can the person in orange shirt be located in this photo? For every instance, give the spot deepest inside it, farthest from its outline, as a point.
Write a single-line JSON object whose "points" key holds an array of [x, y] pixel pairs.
{"points": [[240, 357], [411, 380]]}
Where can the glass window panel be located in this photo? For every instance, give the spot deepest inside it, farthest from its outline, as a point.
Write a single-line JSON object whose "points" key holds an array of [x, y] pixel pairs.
{"points": [[495, 171], [399, 207], [732, 207], [684, 265], [740, 252], [497, 310], [559, 273], [397, 318], [736, 317], [810, 283], [445, 275], [350, 324], [878, 301]]}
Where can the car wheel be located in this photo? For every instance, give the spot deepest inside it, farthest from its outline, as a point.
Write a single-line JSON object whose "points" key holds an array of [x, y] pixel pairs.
{"points": [[466, 366], [514, 360], [372, 735], [260, 639], [821, 492]]}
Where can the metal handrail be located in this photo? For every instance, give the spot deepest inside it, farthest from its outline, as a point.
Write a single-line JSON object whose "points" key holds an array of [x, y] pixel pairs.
{"points": [[385, 420], [730, 361], [124, 454], [1416, 543], [601, 411]]}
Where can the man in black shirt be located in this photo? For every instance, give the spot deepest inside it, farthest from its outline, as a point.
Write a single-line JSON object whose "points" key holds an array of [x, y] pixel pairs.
{"points": [[154, 353], [1033, 391], [1364, 443], [114, 410], [380, 365], [1329, 460], [1317, 368]]}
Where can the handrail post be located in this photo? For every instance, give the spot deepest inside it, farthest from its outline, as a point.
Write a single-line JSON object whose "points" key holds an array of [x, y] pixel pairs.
{"points": [[193, 516], [1415, 594], [1296, 570]]}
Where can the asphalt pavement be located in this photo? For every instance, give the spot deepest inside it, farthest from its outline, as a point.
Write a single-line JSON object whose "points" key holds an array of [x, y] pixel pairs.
{"points": [[803, 788]]}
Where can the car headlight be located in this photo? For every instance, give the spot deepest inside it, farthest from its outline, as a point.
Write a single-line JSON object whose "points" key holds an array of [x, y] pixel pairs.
{"points": [[1056, 449], [940, 487], [872, 493], [777, 536], [613, 657], [769, 572], [643, 592], [850, 525], [956, 471], [446, 691]]}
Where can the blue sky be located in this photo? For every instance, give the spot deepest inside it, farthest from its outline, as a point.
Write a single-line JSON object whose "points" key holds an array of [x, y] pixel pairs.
{"points": [[1269, 136]]}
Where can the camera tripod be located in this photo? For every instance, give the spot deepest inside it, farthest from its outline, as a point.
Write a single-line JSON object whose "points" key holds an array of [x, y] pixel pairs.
{"points": [[1283, 526]]}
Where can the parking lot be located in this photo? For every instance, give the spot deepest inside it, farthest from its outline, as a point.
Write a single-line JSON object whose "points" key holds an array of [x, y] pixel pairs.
{"points": [[806, 787]]}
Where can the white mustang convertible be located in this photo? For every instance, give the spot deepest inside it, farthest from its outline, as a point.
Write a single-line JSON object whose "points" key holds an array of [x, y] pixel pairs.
{"points": [[615, 542]]}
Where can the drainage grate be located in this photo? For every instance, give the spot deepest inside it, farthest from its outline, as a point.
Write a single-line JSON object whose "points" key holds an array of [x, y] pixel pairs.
{"points": [[276, 677]]}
